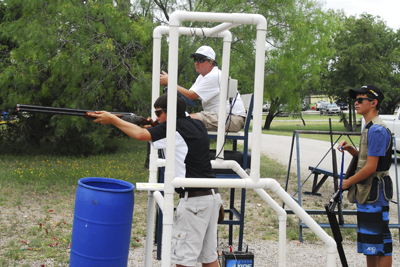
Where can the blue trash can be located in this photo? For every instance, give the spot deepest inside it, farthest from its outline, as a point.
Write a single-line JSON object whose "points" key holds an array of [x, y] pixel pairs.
{"points": [[102, 224]]}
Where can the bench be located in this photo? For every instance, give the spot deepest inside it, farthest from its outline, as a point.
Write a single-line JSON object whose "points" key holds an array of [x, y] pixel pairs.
{"points": [[317, 185]]}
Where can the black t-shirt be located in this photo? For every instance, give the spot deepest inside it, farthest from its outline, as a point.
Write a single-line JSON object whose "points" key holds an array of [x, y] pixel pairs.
{"points": [[192, 150]]}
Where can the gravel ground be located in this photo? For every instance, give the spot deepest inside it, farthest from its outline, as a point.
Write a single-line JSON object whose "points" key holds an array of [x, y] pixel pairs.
{"points": [[297, 254]]}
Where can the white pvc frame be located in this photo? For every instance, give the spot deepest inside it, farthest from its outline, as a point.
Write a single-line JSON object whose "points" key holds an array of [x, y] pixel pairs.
{"points": [[248, 181]]}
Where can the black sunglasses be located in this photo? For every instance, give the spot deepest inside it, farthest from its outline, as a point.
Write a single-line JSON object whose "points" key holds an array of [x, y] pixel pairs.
{"points": [[158, 112], [361, 99], [200, 60]]}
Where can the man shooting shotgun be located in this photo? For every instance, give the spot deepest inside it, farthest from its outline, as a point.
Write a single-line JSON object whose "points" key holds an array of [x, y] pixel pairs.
{"points": [[129, 117]]}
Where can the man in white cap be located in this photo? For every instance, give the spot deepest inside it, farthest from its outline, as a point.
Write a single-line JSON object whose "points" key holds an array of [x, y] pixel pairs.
{"points": [[207, 88]]}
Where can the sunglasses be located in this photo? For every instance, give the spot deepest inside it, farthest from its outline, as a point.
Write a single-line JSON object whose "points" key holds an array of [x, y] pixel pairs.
{"points": [[361, 99], [159, 112], [200, 60]]}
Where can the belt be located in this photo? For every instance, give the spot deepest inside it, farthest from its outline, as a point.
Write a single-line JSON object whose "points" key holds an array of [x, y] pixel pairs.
{"points": [[199, 193]]}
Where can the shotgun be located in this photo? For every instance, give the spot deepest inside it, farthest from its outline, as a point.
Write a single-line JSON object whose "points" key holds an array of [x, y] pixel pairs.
{"points": [[129, 117], [330, 212]]}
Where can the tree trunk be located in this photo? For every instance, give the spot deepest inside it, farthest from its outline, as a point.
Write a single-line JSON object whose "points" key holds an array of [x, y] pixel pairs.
{"points": [[345, 122], [268, 121], [354, 120], [301, 117], [350, 117]]}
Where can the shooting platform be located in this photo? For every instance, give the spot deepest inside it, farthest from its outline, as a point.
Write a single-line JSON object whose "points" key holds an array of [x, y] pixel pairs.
{"points": [[251, 180]]}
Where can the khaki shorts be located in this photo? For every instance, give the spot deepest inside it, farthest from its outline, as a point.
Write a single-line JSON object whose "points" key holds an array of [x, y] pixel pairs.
{"points": [[210, 120], [194, 231]]}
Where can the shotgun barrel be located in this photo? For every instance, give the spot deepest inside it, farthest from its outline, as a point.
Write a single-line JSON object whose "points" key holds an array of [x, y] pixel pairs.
{"points": [[130, 117]]}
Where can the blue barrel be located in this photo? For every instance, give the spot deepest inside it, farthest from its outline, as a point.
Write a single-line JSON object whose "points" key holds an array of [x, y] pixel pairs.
{"points": [[102, 225]]}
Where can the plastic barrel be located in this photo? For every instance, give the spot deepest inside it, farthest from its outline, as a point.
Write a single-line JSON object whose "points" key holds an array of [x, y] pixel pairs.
{"points": [[102, 224]]}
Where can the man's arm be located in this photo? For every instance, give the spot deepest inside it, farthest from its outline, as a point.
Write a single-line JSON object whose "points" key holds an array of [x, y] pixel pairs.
{"points": [[364, 173], [134, 131], [188, 93]]}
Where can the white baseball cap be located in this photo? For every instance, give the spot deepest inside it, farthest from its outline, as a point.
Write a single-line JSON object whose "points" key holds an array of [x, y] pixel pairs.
{"points": [[204, 51]]}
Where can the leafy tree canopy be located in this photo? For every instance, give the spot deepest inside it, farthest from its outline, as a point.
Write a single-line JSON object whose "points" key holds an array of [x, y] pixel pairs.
{"points": [[76, 54], [367, 52]]}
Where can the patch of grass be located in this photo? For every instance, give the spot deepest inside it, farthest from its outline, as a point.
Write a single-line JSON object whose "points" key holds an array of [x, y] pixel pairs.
{"points": [[287, 125], [47, 174], [37, 195]]}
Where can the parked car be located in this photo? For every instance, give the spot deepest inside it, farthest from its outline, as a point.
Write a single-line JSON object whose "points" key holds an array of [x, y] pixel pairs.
{"points": [[319, 103], [322, 107], [304, 105], [331, 109], [393, 123], [342, 105], [282, 111], [265, 107]]}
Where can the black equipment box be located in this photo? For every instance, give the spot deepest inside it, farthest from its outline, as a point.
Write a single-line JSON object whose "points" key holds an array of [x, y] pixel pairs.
{"points": [[237, 259]]}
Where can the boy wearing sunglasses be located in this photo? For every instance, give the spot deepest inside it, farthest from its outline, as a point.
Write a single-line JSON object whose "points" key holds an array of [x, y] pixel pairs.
{"points": [[371, 186], [194, 230], [207, 88]]}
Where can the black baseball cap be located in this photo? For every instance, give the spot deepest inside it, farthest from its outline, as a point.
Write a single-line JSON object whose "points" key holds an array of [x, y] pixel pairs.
{"points": [[375, 91]]}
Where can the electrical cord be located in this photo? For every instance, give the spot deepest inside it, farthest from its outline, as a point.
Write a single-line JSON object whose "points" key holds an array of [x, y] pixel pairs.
{"points": [[229, 125]]}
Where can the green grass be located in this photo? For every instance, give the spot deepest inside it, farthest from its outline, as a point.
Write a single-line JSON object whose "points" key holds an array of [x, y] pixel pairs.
{"points": [[44, 173], [287, 125]]}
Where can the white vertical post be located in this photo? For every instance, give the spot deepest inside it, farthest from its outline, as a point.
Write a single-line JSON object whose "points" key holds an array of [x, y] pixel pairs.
{"points": [[222, 99], [170, 151], [153, 152], [258, 99]]}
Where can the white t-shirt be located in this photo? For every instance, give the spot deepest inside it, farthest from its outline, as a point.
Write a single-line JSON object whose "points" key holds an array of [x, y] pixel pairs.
{"points": [[208, 89]]}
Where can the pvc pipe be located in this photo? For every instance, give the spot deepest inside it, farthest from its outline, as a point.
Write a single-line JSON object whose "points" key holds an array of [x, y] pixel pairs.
{"points": [[235, 18], [214, 32], [160, 162], [155, 94], [170, 150], [282, 224], [150, 230], [222, 27], [153, 166], [230, 164], [303, 215], [255, 181], [159, 199], [258, 98], [154, 161], [223, 96], [275, 187]]}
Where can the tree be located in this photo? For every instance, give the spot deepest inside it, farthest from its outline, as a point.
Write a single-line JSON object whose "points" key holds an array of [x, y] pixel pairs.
{"points": [[77, 54], [297, 35], [367, 52], [298, 51]]}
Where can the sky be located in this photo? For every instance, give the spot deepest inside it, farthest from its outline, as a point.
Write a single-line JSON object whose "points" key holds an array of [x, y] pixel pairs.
{"points": [[388, 10]]}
